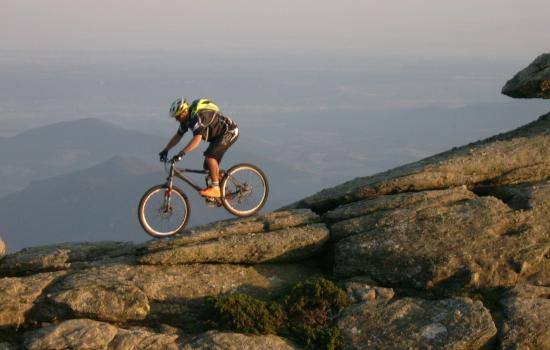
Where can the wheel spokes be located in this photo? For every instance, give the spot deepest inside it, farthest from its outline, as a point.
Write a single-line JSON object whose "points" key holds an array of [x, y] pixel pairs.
{"points": [[245, 190], [165, 214]]}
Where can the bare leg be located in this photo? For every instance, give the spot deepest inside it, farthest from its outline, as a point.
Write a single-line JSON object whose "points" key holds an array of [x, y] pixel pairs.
{"points": [[214, 169]]}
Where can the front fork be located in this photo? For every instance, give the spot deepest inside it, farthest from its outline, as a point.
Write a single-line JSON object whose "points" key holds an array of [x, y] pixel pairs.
{"points": [[167, 193]]}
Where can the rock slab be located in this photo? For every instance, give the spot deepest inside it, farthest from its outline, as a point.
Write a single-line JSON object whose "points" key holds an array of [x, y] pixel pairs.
{"points": [[90, 334], [19, 294], [214, 340], [285, 245], [410, 323], [527, 318], [454, 240], [61, 256]]}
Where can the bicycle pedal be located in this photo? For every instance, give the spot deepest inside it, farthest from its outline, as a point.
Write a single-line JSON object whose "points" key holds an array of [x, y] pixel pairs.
{"points": [[210, 202]]}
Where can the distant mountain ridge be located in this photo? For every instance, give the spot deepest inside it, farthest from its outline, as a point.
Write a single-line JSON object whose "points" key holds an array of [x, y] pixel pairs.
{"points": [[65, 147]]}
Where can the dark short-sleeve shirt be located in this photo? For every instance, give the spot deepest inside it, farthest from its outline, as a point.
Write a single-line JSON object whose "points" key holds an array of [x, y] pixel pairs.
{"points": [[196, 123], [204, 124]]}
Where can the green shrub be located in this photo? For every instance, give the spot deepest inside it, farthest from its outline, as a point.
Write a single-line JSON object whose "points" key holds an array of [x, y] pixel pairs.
{"points": [[329, 338], [246, 314], [315, 302], [311, 307], [306, 313]]}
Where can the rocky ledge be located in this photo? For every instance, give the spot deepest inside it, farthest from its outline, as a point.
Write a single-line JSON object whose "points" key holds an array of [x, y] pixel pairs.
{"points": [[531, 82], [450, 252], [161, 280]]}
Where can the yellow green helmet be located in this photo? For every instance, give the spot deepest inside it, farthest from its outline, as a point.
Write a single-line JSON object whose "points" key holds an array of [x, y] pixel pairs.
{"points": [[178, 107]]}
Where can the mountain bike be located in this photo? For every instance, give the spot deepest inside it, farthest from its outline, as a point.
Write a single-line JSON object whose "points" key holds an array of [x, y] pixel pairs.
{"points": [[164, 209]]}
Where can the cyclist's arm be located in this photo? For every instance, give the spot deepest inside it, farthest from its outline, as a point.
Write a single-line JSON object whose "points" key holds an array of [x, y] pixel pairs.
{"points": [[174, 141], [194, 143]]}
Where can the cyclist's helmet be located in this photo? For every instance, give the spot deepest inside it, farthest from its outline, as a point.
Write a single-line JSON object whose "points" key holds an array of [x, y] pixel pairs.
{"points": [[178, 107]]}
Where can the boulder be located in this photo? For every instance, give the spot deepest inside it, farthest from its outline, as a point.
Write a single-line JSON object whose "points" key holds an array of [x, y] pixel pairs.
{"points": [[121, 293], [214, 340], [61, 256], [18, 295], [531, 82], [526, 318], [475, 242], [521, 155], [411, 323], [90, 334], [284, 245]]}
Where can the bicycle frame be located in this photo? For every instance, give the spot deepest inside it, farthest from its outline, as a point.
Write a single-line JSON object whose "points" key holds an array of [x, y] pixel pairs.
{"points": [[179, 173]]}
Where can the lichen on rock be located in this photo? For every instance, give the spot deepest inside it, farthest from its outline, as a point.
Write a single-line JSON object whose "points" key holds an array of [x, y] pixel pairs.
{"points": [[19, 294], [526, 318], [409, 323]]}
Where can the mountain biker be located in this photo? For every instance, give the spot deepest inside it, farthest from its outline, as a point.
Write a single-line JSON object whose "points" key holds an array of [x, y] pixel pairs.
{"points": [[207, 123]]}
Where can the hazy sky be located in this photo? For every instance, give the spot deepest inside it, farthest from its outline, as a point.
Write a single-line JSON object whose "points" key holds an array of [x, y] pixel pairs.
{"points": [[438, 28]]}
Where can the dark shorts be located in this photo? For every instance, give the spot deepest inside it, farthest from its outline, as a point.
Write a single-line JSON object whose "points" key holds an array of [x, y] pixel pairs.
{"points": [[217, 148]]}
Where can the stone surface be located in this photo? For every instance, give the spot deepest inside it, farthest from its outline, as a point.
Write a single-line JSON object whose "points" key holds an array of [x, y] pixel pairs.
{"points": [[410, 323], [142, 339], [365, 290], [61, 256], [417, 200], [120, 293], [531, 82], [517, 156], [370, 213], [90, 334], [73, 334], [18, 295], [214, 340], [233, 227], [472, 243], [526, 318], [284, 245]]}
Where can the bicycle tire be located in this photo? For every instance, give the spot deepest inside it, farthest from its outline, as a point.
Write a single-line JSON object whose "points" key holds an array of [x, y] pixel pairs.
{"points": [[146, 218], [230, 196]]}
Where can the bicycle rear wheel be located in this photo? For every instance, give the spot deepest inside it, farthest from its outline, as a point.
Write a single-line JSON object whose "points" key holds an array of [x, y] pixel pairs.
{"points": [[244, 190], [163, 212]]}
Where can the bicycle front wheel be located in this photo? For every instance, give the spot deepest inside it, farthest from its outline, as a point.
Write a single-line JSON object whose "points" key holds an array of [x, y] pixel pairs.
{"points": [[163, 212], [244, 190]]}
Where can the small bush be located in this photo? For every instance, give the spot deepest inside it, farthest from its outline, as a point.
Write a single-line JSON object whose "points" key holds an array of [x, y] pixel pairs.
{"points": [[246, 314], [306, 313], [315, 302], [327, 338], [311, 307]]}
